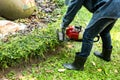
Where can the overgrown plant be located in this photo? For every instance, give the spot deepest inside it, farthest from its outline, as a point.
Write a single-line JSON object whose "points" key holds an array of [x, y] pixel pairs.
{"points": [[19, 47]]}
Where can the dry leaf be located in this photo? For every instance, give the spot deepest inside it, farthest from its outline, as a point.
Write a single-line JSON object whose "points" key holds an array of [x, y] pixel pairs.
{"points": [[69, 46], [99, 70], [61, 70], [116, 71], [49, 71], [93, 63]]}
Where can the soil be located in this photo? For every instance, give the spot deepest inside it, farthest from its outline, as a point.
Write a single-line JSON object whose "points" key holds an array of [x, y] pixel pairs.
{"points": [[41, 16]]}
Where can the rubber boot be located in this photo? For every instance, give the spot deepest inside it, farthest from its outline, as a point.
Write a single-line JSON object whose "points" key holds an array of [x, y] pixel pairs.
{"points": [[105, 55], [78, 63]]}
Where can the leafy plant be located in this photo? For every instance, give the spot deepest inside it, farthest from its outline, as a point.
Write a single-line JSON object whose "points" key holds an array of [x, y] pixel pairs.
{"points": [[19, 48]]}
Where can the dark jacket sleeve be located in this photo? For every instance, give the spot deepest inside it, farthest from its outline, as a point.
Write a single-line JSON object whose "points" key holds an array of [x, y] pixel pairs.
{"points": [[73, 8]]}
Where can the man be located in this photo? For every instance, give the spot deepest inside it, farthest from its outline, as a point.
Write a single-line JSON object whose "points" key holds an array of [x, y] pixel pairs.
{"points": [[105, 14]]}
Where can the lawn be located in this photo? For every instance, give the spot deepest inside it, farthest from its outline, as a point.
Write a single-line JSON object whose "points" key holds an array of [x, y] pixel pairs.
{"points": [[51, 68]]}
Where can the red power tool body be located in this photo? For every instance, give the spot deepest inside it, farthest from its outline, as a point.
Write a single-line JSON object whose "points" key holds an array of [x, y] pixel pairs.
{"points": [[73, 33]]}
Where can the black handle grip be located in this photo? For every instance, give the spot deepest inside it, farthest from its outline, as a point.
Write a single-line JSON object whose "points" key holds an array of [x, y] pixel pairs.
{"points": [[98, 37]]}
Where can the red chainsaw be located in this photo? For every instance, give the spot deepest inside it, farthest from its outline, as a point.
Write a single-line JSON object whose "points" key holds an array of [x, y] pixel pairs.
{"points": [[72, 33]]}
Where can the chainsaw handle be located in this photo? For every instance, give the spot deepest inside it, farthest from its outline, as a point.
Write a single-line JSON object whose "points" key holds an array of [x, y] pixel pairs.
{"points": [[98, 37]]}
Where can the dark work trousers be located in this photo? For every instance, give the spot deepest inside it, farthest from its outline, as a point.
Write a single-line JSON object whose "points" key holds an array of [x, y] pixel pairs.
{"points": [[102, 27]]}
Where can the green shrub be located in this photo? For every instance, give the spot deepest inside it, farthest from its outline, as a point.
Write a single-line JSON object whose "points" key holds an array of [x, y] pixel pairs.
{"points": [[59, 2], [22, 46]]}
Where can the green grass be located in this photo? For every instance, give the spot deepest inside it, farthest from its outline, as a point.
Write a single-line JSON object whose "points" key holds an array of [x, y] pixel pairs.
{"points": [[95, 68]]}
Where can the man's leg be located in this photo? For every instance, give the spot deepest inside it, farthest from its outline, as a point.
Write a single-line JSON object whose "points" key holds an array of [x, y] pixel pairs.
{"points": [[106, 37], [90, 33], [106, 43]]}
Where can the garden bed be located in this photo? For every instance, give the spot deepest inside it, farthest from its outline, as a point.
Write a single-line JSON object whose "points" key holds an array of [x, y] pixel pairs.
{"points": [[32, 41]]}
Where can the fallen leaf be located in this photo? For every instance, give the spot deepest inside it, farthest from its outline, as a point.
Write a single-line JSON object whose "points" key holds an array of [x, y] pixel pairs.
{"points": [[99, 70], [61, 70], [69, 46], [116, 71], [93, 63], [49, 71]]}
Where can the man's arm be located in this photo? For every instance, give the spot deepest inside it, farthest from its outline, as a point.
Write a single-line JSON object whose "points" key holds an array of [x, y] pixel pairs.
{"points": [[73, 8]]}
